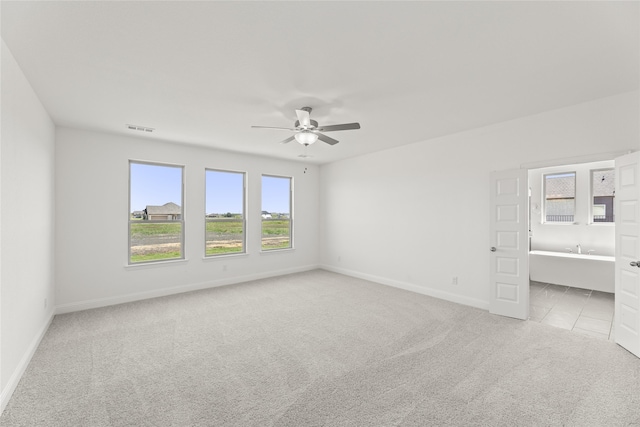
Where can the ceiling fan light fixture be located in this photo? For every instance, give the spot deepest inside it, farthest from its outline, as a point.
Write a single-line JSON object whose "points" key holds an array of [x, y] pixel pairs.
{"points": [[307, 131], [306, 138]]}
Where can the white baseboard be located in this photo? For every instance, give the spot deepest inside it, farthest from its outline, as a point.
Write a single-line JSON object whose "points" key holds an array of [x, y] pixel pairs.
{"points": [[7, 392], [436, 293], [121, 299]]}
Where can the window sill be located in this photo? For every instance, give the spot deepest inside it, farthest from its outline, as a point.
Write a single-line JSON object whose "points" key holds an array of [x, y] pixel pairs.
{"points": [[155, 264], [276, 251], [225, 256]]}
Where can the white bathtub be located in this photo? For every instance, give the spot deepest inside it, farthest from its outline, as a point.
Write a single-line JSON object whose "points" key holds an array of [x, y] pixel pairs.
{"points": [[595, 272]]}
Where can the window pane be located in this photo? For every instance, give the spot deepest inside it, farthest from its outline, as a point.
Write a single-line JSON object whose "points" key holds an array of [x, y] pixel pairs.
{"points": [[224, 212], [151, 241], [276, 212], [603, 192], [156, 215], [560, 193]]}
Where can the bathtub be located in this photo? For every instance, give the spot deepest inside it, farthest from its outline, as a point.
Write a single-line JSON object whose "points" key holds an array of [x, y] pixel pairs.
{"points": [[596, 272]]}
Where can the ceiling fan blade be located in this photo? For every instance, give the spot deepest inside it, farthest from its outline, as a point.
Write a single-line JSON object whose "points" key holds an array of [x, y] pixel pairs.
{"points": [[303, 118], [288, 140], [273, 127], [333, 128], [325, 138]]}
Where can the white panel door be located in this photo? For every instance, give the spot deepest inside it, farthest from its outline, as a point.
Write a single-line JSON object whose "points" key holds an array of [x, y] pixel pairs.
{"points": [[627, 213], [509, 244]]}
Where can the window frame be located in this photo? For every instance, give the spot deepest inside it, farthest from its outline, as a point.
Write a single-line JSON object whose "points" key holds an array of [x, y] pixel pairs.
{"points": [[545, 200], [244, 213], [591, 196], [181, 221], [291, 214]]}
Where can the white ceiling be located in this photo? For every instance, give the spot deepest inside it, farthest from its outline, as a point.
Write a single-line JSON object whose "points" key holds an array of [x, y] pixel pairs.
{"points": [[204, 72]]}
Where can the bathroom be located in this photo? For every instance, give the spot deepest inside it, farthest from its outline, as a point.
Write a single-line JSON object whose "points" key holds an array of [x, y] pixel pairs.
{"points": [[572, 246]]}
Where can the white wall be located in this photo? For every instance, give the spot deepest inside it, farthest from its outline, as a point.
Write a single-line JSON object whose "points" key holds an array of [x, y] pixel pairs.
{"points": [[26, 223], [92, 214], [599, 237], [418, 215]]}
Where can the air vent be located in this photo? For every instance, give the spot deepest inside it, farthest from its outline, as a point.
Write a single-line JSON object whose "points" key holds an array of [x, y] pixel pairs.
{"points": [[140, 128], [305, 156]]}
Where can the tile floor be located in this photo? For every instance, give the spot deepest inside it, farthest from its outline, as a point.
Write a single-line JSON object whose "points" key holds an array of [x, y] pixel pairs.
{"points": [[579, 310]]}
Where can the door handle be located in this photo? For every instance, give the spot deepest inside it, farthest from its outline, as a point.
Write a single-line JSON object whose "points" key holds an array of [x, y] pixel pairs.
{"points": [[635, 264], [493, 249]]}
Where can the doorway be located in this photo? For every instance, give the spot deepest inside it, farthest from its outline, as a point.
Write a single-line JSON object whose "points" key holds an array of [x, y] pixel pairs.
{"points": [[509, 260], [571, 215]]}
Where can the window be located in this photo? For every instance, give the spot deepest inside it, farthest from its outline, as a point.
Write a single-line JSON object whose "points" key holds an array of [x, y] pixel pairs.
{"points": [[156, 219], [560, 197], [224, 212], [276, 212], [603, 191]]}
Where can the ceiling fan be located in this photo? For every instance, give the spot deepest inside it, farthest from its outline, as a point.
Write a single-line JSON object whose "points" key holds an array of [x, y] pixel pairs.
{"points": [[307, 131]]}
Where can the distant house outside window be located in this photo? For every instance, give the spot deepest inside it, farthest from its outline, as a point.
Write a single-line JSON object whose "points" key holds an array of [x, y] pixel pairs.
{"points": [[560, 197], [156, 212], [603, 191], [277, 220], [224, 212]]}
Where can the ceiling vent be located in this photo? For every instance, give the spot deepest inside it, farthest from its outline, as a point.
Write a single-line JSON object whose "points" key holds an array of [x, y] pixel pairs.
{"points": [[140, 128]]}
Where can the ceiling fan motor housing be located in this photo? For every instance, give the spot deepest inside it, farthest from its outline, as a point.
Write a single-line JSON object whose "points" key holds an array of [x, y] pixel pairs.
{"points": [[314, 124]]}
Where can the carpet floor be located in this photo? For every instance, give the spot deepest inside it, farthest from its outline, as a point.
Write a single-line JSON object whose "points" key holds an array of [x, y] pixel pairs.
{"points": [[318, 349]]}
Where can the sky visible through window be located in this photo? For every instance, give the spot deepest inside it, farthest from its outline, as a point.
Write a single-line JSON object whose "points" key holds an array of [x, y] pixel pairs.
{"points": [[224, 192], [561, 175], [275, 194], [156, 185]]}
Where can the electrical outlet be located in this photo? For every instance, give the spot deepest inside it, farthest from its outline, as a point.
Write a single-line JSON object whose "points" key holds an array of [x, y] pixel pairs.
{"points": [[339, 258], [454, 280], [224, 267], [45, 303]]}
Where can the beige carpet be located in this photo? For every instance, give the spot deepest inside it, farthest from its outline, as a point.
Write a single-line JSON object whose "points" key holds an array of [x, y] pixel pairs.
{"points": [[318, 349]]}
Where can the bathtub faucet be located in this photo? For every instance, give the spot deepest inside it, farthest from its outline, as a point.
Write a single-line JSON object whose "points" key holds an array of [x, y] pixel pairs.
{"points": [[579, 248]]}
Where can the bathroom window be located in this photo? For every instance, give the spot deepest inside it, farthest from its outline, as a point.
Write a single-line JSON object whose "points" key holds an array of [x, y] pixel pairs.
{"points": [[224, 212], [560, 197], [603, 192], [276, 212], [156, 220]]}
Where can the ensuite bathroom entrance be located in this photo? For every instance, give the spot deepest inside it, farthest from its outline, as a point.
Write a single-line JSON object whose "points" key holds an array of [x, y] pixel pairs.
{"points": [[572, 247], [565, 247]]}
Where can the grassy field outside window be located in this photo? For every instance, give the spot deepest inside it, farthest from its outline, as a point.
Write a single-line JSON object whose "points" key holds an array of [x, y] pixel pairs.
{"points": [[277, 224], [224, 236], [224, 212], [155, 241]]}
